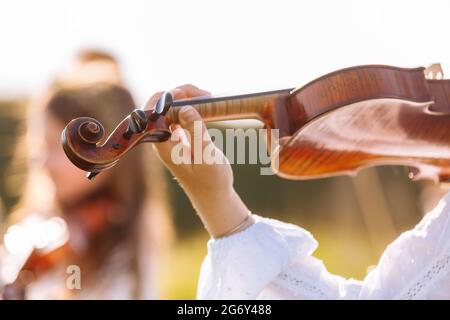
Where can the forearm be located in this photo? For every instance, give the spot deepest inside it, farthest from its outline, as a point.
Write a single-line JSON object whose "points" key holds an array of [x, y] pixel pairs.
{"points": [[220, 212]]}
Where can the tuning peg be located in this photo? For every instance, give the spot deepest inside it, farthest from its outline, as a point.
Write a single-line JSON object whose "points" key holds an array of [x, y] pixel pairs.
{"points": [[137, 122], [162, 106]]}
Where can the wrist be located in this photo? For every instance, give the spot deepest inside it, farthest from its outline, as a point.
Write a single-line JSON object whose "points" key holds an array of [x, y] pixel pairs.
{"points": [[247, 222], [221, 212]]}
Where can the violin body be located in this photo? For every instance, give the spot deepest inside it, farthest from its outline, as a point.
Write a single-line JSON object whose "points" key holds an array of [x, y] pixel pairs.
{"points": [[337, 124], [56, 250], [41, 255], [360, 117]]}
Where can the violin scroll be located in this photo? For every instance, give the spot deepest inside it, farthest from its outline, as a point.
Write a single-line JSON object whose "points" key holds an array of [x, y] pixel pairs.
{"points": [[91, 131], [82, 134], [84, 144]]}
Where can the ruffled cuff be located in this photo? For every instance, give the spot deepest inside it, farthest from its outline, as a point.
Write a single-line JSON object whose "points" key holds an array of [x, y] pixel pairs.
{"points": [[241, 265], [415, 261]]}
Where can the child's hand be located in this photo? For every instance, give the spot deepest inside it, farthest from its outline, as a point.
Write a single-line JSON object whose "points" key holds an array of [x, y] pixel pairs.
{"points": [[200, 177], [208, 186]]}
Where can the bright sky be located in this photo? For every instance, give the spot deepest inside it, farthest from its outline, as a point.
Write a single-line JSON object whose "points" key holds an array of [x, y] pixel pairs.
{"points": [[226, 46]]}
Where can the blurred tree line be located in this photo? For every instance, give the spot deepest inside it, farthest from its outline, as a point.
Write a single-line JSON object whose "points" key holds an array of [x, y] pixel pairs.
{"points": [[12, 165]]}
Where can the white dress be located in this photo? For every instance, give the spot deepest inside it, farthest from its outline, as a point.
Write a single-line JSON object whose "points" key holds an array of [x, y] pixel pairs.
{"points": [[273, 260]]}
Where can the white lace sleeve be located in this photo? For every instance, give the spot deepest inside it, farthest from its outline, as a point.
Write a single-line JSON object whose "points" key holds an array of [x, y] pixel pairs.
{"points": [[417, 264], [240, 266], [273, 260]]}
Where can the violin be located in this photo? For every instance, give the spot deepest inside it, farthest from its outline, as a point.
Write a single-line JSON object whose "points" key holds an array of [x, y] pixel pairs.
{"points": [[50, 247], [46, 247], [337, 124]]}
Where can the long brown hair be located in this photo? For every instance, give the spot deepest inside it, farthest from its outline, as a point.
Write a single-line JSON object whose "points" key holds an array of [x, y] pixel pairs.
{"points": [[135, 186]]}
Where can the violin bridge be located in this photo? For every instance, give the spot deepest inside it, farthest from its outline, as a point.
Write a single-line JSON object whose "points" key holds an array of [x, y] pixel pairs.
{"points": [[434, 72]]}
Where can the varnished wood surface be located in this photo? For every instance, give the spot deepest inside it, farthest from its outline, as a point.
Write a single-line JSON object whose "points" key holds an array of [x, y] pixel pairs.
{"points": [[348, 139]]}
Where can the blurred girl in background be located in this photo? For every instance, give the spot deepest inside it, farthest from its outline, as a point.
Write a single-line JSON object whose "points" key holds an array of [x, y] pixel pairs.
{"points": [[117, 225]]}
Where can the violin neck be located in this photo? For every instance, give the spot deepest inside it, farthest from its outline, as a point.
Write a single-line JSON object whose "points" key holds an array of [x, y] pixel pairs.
{"points": [[218, 108]]}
